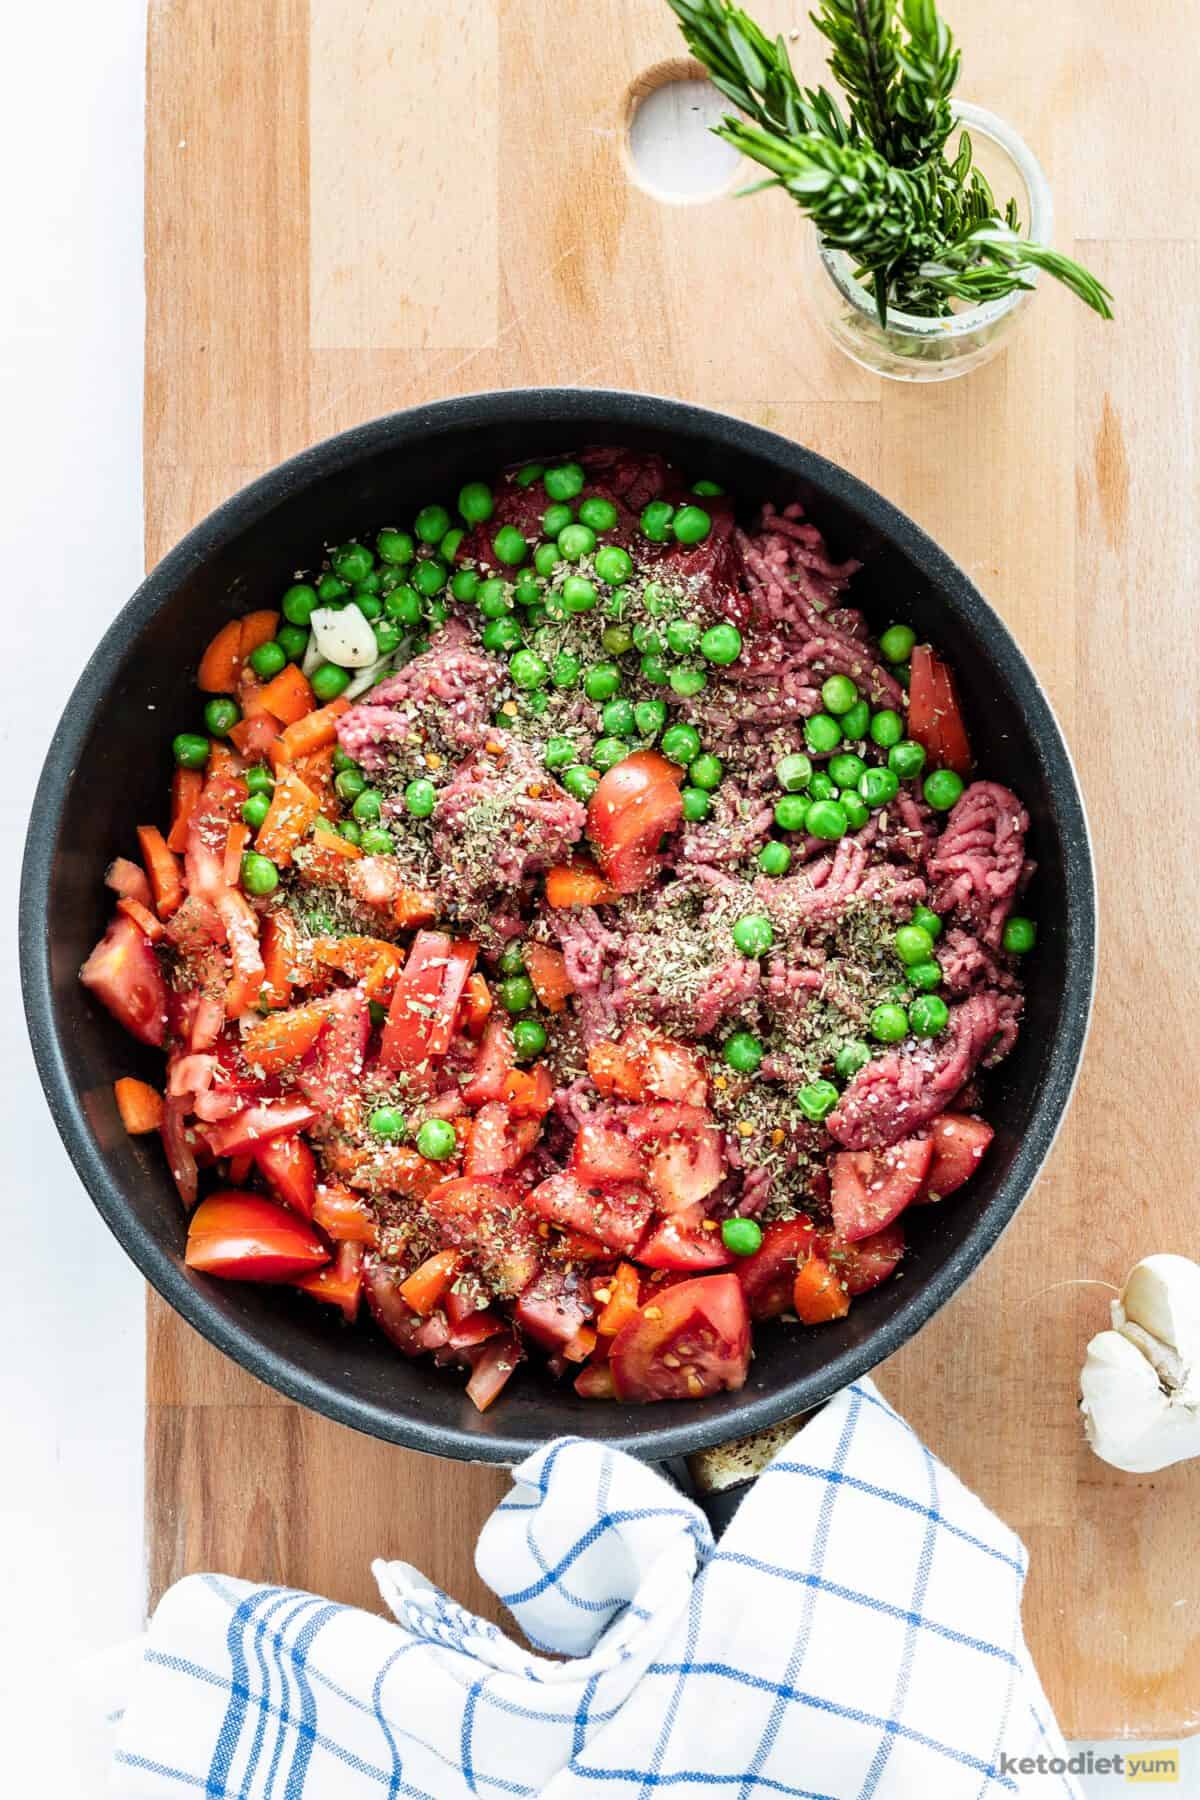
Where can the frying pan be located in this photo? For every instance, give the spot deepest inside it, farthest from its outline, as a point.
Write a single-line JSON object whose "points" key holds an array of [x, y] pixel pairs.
{"points": [[106, 771]]}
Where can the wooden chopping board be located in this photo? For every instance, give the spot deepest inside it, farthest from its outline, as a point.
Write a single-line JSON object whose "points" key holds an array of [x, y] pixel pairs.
{"points": [[355, 205]]}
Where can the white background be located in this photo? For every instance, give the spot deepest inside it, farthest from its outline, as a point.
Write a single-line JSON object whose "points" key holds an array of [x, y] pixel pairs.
{"points": [[71, 1569]]}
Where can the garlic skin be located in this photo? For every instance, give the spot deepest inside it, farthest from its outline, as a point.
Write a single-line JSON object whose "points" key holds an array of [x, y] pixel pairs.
{"points": [[1140, 1382], [343, 636]]}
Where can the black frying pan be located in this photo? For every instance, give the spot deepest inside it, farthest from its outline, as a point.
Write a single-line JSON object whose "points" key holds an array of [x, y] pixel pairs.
{"points": [[107, 771]]}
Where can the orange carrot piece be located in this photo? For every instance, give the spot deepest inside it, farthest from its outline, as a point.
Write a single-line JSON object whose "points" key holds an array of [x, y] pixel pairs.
{"points": [[283, 1038], [359, 958], [581, 1345], [289, 819], [577, 884], [254, 736], [256, 628], [547, 969], [413, 906], [143, 918], [615, 1072], [316, 772], [426, 1285], [237, 837], [332, 842], [288, 696], [162, 868], [223, 760], [477, 1005], [221, 662], [280, 954], [312, 732], [185, 792], [622, 1302], [818, 1295], [140, 1105], [343, 1216]]}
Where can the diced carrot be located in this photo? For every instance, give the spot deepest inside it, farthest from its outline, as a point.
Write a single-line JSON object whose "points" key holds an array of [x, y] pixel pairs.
{"points": [[244, 988], [221, 662], [581, 1345], [312, 732], [528, 1092], [339, 1283], [426, 1285], [162, 868], [143, 918], [280, 954], [399, 1170], [185, 792], [412, 907], [577, 884], [288, 696], [595, 1382], [129, 880], [316, 772], [237, 837], [250, 696], [343, 1216], [547, 969], [622, 1303], [373, 961], [240, 1168], [615, 1072], [476, 1005], [254, 736], [223, 760], [818, 1295], [256, 628], [332, 842], [140, 1105], [283, 1038], [289, 819]]}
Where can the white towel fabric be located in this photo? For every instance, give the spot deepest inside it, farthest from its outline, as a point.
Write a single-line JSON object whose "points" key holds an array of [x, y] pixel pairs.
{"points": [[855, 1632]]}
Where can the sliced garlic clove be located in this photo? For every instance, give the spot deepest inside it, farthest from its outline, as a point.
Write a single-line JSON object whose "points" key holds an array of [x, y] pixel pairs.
{"points": [[1129, 1420], [343, 636], [1161, 1302]]}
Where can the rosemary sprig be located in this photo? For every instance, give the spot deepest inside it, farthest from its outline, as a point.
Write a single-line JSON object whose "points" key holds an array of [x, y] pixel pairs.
{"points": [[875, 180]]}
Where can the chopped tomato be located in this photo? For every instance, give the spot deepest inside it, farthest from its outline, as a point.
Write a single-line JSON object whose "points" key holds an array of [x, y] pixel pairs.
{"points": [[343, 1216], [685, 1242], [769, 1276], [577, 884], [241, 934], [862, 1265], [413, 906], [208, 832], [181, 1158], [604, 1152], [617, 1213], [553, 1309], [871, 1187], [686, 1158], [499, 1142], [577, 1246], [290, 1169], [595, 1382], [547, 969], [148, 923], [673, 1071], [140, 1105], [959, 1142], [494, 1059], [818, 1295], [123, 973], [251, 1127], [529, 1093], [394, 1169], [476, 1007], [425, 1000], [635, 804], [688, 1341], [393, 1315], [622, 1289], [469, 1325], [339, 1283], [615, 1072], [243, 1237], [128, 880], [492, 1368], [253, 737], [426, 1285], [934, 716], [284, 1037], [335, 1070], [489, 1220]]}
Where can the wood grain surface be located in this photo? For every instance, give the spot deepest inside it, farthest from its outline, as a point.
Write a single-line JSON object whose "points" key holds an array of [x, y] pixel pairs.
{"points": [[354, 205]]}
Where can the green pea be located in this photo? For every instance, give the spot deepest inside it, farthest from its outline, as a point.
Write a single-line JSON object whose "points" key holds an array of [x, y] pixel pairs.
{"points": [[599, 513], [512, 959], [575, 541], [614, 565], [293, 641], [528, 590], [889, 1023], [707, 487], [580, 782], [647, 640], [827, 820], [839, 694], [350, 784], [515, 993], [658, 601], [221, 715], [368, 605], [386, 1122], [616, 639], [563, 483], [545, 560], [706, 771], [822, 733], [328, 681], [190, 750], [878, 786], [856, 722], [368, 805], [928, 921], [774, 858], [924, 976], [601, 681], [721, 644], [376, 841], [350, 830], [255, 810], [696, 804], [529, 474], [268, 659], [331, 588], [259, 779], [741, 1237], [887, 728], [681, 743], [928, 1015], [565, 669], [559, 753], [579, 594], [742, 1052], [822, 786], [494, 598], [528, 670], [394, 547], [607, 751], [855, 808], [791, 812], [793, 773], [817, 1099], [464, 584], [649, 717], [656, 521], [501, 634], [431, 524], [529, 1039], [429, 576], [448, 548], [753, 934], [509, 547], [352, 561], [371, 583], [906, 759], [436, 1140], [618, 718], [853, 1056], [691, 525], [943, 789], [259, 874], [404, 605], [556, 519], [847, 769], [913, 944], [299, 602], [897, 642], [1020, 935], [654, 669], [420, 797], [475, 502], [683, 636], [687, 683]]}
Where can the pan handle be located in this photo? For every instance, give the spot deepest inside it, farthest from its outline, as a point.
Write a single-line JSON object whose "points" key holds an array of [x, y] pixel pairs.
{"points": [[719, 1479]]}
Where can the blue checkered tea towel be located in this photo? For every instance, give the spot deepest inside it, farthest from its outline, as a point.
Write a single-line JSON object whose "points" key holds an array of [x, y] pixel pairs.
{"points": [[855, 1632]]}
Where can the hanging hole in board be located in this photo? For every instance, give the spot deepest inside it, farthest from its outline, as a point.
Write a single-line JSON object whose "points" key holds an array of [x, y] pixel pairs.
{"points": [[670, 149]]}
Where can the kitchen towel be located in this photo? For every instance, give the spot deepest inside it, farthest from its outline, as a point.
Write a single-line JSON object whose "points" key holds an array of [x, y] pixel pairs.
{"points": [[855, 1632]]}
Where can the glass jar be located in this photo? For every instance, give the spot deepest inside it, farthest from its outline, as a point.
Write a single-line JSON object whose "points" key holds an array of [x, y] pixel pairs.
{"points": [[918, 349]]}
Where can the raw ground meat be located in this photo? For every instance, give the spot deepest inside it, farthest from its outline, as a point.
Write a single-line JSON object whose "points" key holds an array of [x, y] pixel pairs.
{"points": [[500, 821], [894, 1095], [441, 701], [978, 862]]}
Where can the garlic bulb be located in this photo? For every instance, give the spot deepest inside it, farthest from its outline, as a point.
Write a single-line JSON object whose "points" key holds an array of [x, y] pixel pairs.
{"points": [[1140, 1383], [343, 636]]}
